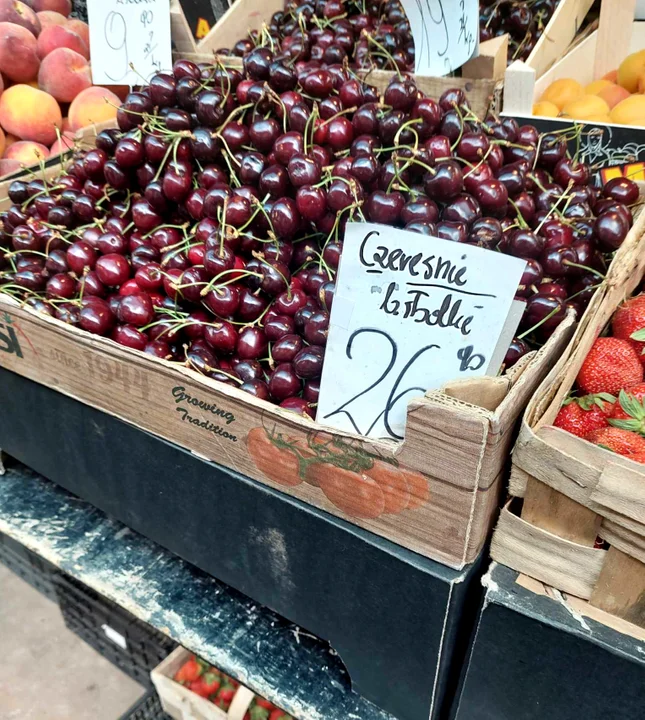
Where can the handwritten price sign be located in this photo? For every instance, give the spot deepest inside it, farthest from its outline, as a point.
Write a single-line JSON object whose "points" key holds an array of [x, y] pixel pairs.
{"points": [[129, 39], [410, 313], [445, 32]]}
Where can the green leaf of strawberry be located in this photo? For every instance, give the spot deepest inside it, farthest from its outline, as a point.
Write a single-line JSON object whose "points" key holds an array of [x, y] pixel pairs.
{"points": [[638, 335]]}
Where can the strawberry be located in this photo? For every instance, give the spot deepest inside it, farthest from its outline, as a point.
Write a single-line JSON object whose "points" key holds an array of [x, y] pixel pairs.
{"points": [[611, 365], [580, 416], [622, 442], [629, 324], [190, 671], [629, 412]]}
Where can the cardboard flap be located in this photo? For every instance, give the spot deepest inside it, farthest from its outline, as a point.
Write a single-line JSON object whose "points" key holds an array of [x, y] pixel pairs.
{"points": [[621, 489]]}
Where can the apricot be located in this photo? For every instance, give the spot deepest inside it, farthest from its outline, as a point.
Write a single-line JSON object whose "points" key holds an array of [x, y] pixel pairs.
{"points": [[17, 12], [64, 143], [9, 166], [613, 94], [597, 85], [612, 76], [3, 142], [80, 28], [64, 74], [630, 69], [18, 53], [57, 36], [93, 105], [545, 109], [561, 92], [49, 17], [631, 111], [585, 106], [27, 152], [64, 7], [30, 114]]}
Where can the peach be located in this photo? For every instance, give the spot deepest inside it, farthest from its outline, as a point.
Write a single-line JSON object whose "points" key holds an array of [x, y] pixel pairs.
{"points": [[17, 12], [597, 85], [585, 106], [65, 127], [27, 152], [64, 7], [64, 74], [9, 166], [3, 143], [545, 109], [613, 94], [56, 36], [64, 143], [49, 17], [9, 140], [612, 76], [30, 114], [630, 69], [631, 111], [562, 92], [80, 28], [94, 105], [18, 53]]}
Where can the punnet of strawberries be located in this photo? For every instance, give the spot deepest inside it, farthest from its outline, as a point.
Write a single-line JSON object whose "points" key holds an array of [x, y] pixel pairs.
{"points": [[208, 227], [607, 406], [209, 682]]}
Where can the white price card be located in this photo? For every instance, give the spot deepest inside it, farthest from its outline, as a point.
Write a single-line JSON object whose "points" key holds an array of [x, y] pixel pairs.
{"points": [[445, 32], [410, 313], [129, 40]]}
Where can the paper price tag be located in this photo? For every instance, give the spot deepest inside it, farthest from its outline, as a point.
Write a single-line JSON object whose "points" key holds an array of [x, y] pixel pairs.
{"points": [[115, 636], [410, 313], [445, 32], [129, 40]]}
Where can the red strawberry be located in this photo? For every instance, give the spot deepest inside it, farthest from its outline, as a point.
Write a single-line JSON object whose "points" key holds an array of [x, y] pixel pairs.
{"points": [[190, 671], [623, 442], [611, 365], [580, 416], [638, 457], [629, 324], [629, 412]]}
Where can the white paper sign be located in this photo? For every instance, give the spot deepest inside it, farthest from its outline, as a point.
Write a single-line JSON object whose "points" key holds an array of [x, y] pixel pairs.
{"points": [[410, 313], [445, 32], [129, 40]]}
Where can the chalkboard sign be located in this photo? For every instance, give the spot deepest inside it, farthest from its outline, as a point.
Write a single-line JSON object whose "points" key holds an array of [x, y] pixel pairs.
{"points": [[611, 150]]}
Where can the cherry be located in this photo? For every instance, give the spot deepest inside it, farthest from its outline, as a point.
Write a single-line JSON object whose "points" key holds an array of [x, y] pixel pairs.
{"points": [[223, 301], [611, 229], [526, 244], [252, 344], [251, 306], [285, 217], [222, 337], [112, 269], [62, 286], [286, 348], [463, 208], [445, 183], [622, 190], [299, 406], [96, 316], [383, 207], [130, 337], [492, 197], [257, 388], [308, 362], [316, 328], [303, 170], [278, 326], [517, 350], [284, 383]]}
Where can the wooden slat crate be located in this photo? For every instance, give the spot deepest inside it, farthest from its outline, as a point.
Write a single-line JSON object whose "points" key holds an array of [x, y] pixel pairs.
{"points": [[183, 704], [574, 491]]}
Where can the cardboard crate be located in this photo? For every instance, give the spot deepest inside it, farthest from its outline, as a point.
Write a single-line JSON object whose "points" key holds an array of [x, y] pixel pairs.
{"points": [[183, 704], [453, 459], [574, 491]]}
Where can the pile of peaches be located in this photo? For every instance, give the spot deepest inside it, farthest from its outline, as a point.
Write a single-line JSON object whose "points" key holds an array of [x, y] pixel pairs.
{"points": [[46, 82], [617, 98]]}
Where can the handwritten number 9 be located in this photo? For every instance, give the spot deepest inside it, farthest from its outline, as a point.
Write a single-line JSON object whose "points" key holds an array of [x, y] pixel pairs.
{"points": [[116, 38]]}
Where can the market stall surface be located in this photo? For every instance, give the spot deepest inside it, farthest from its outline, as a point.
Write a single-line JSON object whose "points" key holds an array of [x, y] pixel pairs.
{"points": [[47, 672]]}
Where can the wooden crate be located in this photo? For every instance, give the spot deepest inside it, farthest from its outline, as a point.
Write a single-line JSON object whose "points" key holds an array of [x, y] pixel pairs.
{"points": [[183, 704], [617, 36], [574, 491]]}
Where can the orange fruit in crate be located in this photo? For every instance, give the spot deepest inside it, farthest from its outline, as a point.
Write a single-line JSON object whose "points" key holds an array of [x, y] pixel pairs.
{"points": [[594, 87], [612, 76], [562, 92], [545, 109], [613, 94], [585, 107], [630, 70], [631, 111]]}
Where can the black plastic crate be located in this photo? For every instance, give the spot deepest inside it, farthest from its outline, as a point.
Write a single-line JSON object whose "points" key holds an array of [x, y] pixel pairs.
{"points": [[33, 569], [124, 640], [147, 708]]}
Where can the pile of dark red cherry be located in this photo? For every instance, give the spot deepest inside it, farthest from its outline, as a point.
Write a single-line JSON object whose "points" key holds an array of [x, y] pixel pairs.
{"points": [[208, 228], [377, 34], [523, 20], [370, 34]]}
